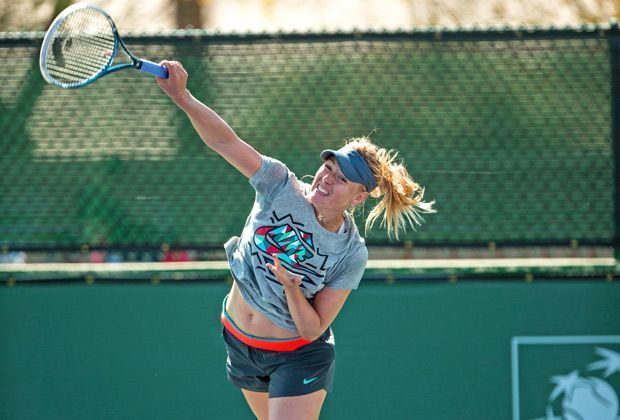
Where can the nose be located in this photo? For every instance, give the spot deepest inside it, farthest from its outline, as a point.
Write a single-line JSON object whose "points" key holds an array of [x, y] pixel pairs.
{"points": [[328, 178]]}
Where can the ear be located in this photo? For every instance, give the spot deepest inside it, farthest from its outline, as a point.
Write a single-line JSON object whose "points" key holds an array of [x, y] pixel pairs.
{"points": [[359, 199]]}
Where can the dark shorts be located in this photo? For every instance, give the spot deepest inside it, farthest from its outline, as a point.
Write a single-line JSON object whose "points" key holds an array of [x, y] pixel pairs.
{"points": [[281, 373]]}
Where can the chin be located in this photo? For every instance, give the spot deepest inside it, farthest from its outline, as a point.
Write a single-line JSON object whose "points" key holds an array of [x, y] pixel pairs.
{"points": [[313, 197]]}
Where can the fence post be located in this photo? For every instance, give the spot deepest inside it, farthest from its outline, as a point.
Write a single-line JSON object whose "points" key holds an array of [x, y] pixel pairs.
{"points": [[614, 51]]}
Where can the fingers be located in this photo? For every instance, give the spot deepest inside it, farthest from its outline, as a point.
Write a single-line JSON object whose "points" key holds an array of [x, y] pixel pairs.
{"points": [[274, 268], [174, 67], [276, 261], [285, 278], [176, 71], [175, 86], [169, 64]]}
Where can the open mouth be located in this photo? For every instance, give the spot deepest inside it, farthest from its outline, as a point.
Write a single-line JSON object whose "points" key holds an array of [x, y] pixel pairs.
{"points": [[321, 190]]}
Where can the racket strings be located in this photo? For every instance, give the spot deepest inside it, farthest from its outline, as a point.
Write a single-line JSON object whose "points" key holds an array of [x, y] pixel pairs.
{"points": [[81, 47]]}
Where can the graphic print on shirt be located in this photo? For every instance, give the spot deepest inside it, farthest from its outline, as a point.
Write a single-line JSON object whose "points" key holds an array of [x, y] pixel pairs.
{"points": [[295, 248]]}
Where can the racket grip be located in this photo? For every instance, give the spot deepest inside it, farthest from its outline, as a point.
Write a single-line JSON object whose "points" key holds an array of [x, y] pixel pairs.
{"points": [[154, 68]]}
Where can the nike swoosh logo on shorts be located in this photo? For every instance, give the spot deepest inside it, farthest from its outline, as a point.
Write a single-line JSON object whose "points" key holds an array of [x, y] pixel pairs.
{"points": [[307, 381]]}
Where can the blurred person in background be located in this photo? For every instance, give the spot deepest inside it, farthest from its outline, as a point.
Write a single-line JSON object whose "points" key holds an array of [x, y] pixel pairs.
{"points": [[14, 257], [298, 258]]}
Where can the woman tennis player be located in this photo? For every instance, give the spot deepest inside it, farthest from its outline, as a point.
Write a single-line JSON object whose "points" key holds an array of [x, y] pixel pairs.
{"points": [[297, 259]]}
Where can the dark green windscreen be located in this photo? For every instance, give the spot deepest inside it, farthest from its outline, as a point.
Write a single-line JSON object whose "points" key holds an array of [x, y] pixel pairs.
{"points": [[511, 136]]}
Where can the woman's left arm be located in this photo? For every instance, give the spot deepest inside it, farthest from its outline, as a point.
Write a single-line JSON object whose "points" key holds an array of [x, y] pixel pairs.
{"points": [[313, 319]]}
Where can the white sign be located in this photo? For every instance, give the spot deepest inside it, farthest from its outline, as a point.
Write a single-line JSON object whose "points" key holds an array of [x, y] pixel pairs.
{"points": [[585, 388]]}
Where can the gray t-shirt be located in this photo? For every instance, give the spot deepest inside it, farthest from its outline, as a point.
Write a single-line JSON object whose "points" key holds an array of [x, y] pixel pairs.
{"points": [[283, 222]]}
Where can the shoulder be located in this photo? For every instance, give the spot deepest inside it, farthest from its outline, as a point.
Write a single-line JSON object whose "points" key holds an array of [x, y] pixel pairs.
{"points": [[355, 252], [348, 271], [268, 168], [357, 242], [359, 251], [272, 177]]}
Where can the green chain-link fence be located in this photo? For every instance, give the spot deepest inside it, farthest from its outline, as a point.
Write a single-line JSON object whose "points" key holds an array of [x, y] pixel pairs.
{"points": [[512, 133]]}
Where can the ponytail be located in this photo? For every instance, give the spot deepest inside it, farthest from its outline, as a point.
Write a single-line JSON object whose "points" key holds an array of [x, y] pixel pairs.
{"points": [[401, 201]]}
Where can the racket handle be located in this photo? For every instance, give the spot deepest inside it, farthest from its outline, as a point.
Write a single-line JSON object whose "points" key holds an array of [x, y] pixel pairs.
{"points": [[154, 68]]}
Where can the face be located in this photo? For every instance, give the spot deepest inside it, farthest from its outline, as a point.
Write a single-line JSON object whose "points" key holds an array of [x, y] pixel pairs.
{"points": [[331, 190]]}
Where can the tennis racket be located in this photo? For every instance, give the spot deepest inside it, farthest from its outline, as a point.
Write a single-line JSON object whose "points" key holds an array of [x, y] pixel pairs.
{"points": [[81, 44]]}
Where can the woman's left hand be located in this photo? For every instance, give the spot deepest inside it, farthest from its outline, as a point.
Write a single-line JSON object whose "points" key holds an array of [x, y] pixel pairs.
{"points": [[287, 279]]}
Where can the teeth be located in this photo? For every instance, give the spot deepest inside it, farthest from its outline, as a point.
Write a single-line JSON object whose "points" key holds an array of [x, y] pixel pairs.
{"points": [[321, 190]]}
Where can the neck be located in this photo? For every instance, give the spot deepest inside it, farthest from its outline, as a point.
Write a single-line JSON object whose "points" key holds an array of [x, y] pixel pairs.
{"points": [[329, 220]]}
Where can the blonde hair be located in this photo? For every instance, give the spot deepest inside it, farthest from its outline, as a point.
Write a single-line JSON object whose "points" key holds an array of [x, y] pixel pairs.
{"points": [[402, 199]]}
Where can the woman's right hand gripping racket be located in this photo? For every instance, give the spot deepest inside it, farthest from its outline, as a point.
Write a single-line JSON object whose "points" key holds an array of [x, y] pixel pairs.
{"points": [[81, 44]]}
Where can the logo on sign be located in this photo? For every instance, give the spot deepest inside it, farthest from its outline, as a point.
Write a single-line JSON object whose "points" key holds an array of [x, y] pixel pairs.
{"points": [[566, 378]]}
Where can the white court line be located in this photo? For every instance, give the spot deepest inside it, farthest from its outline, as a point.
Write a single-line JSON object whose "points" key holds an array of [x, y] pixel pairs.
{"points": [[492, 262], [372, 264], [114, 267]]}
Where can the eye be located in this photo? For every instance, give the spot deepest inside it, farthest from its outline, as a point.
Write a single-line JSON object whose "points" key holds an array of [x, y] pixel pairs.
{"points": [[342, 179]]}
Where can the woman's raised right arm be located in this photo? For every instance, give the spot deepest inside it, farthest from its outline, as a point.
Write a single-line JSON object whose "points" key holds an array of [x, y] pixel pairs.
{"points": [[213, 130]]}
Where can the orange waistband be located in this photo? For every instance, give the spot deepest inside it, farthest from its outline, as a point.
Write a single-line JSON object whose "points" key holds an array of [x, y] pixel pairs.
{"points": [[273, 344]]}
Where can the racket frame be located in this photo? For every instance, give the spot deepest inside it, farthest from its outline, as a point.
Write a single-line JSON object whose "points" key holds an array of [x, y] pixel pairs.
{"points": [[108, 68]]}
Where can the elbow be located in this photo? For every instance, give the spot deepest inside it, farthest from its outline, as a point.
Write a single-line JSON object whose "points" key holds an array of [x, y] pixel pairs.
{"points": [[224, 144], [311, 335]]}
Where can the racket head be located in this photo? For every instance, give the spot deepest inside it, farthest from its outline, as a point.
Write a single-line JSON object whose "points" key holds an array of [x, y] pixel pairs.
{"points": [[79, 46]]}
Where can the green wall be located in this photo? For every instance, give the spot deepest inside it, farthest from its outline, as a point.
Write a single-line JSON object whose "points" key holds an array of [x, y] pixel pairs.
{"points": [[418, 350]]}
